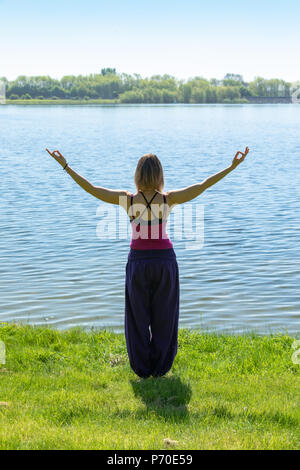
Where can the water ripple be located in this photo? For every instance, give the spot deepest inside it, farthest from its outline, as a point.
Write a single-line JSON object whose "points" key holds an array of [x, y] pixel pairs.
{"points": [[55, 271]]}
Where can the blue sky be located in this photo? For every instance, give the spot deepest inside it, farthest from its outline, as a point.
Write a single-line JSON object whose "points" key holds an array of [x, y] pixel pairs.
{"points": [[183, 38]]}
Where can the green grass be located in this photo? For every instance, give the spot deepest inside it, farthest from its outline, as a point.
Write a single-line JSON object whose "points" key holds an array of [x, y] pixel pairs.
{"points": [[61, 101], [75, 390], [34, 101]]}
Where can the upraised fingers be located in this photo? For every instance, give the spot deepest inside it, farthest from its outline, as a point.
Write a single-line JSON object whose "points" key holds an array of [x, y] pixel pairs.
{"points": [[237, 154]]}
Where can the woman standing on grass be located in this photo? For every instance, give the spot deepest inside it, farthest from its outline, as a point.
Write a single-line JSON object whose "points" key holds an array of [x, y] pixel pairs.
{"points": [[152, 279]]}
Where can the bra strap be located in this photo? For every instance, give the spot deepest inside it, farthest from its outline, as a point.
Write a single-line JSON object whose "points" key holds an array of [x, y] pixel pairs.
{"points": [[131, 202], [148, 202], [165, 206]]}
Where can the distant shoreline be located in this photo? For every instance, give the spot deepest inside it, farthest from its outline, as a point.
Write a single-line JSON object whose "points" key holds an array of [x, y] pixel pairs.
{"points": [[110, 87], [61, 101], [70, 102]]}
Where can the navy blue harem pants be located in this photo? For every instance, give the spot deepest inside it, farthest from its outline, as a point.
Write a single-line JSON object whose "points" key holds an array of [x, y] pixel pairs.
{"points": [[151, 310]]}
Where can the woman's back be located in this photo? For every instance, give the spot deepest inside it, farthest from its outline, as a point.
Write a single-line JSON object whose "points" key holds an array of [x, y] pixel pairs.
{"points": [[148, 214]]}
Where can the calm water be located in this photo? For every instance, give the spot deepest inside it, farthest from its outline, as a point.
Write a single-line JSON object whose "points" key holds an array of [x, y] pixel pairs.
{"points": [[54, 269]]}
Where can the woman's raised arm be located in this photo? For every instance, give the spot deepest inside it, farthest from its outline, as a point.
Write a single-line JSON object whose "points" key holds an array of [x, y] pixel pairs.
{"points": [[107, 195], [180, 196]]}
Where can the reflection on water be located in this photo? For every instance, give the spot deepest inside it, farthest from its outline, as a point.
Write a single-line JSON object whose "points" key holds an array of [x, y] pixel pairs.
{"points": [[54, 270]]}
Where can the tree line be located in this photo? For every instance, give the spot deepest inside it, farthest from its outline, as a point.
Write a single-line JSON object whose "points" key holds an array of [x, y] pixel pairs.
{"points": [[125, 88]]}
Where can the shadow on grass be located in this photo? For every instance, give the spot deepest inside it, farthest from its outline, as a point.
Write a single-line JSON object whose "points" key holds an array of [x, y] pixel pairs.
{"points": [[164, 396]]}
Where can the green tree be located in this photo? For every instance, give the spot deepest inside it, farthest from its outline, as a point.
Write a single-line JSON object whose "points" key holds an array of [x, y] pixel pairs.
{"points": [[185, 93], [234, 77], [133, 96], [211, 95], [198, 95], [108, 71]]}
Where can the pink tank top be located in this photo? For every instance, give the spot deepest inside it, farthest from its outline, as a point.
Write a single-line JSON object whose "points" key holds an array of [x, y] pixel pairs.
{"points": [[149, 234]]}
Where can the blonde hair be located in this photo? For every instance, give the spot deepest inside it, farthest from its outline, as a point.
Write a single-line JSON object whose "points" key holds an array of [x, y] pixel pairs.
{"points": [[149, 173]]}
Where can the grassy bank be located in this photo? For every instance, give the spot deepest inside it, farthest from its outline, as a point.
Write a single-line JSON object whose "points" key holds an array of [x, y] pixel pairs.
{"points": [[75, 390], [99, 101], [61, 101]]}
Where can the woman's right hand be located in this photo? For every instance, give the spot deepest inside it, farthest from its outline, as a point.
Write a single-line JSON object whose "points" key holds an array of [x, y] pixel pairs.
{"points": [[58, 157], [236, 161]]}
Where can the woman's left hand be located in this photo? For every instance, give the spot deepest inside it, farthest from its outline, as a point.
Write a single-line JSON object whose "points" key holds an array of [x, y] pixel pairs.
{"points": [[236, 161], [58, 157]]}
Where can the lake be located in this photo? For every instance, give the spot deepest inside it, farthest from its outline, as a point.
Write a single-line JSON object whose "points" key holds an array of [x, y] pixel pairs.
{"points": [[55, 270]]}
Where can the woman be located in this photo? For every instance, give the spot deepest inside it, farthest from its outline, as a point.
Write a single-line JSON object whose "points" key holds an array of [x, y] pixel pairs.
{"points": [[152, 281]]}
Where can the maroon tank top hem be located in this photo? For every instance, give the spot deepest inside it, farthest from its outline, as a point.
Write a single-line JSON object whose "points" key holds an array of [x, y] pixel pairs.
{"points": [[141, 244]]}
